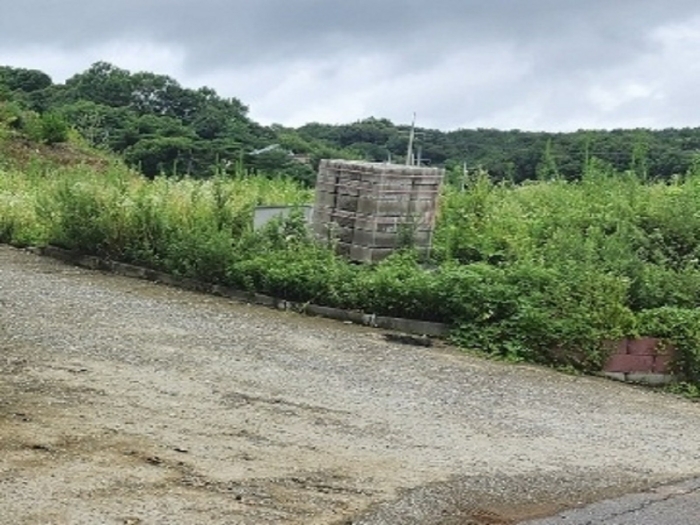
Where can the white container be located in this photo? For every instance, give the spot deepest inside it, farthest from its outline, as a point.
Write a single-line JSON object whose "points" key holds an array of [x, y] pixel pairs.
{"points": [[264, 214]]}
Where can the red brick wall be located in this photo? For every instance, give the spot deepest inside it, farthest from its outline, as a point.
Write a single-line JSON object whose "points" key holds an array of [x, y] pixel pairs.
{"points": [[640, 356]]}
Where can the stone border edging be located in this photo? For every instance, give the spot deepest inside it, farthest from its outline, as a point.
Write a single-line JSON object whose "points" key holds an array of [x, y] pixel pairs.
{"points": [[91, 262]]}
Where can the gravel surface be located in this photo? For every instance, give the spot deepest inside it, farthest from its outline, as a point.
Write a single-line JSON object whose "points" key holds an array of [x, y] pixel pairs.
{"points": [[127, 402]]}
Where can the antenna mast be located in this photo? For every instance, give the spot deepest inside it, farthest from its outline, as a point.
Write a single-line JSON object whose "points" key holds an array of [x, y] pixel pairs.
{"points": [[411, 138]]}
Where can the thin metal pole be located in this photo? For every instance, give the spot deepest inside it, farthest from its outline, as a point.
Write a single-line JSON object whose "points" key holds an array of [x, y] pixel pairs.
{"points": [[411, 138]]}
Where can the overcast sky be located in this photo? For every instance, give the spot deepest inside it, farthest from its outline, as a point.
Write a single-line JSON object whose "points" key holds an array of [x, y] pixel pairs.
{"points": [[528, 64]]}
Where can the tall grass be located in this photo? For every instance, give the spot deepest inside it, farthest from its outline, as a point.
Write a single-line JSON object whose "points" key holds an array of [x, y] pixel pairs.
{"points": [[164, 223], [647, 235]]}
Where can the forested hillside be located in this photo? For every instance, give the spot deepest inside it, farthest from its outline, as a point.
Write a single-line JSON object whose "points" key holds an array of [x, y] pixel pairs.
{"points": [[520, 155], [159, 126], [154, 123]]}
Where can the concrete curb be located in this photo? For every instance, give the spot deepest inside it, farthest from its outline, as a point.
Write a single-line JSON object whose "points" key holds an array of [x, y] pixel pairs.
{"points": [[641, 378], [92, 262]]}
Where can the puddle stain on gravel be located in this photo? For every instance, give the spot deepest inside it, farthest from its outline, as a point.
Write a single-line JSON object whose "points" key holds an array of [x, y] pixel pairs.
{"points": [[495, 499]]}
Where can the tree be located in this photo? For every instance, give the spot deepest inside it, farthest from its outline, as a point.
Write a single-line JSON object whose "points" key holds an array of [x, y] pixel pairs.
{"points": [[155, 94], [24, 80], [162, 155], [102, 83], [102, 126], [547, 169], [211, 123]]}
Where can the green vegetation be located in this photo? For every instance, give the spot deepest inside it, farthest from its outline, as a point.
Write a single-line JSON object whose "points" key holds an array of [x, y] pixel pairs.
{"points": [[160, 127], [517, 156], [151, 121], [545, 270]]}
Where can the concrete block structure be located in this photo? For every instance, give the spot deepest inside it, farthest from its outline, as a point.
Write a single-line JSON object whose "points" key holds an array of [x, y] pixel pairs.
{"points": [[368, 210]]}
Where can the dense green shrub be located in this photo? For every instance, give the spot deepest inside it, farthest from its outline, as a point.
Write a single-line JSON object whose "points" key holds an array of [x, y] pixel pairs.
{"points": [[54, 129], [10, 114], [681, 328], [543, 314]]}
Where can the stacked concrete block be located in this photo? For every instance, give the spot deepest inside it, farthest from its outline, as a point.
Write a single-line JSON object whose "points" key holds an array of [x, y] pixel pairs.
{"points": [[368, 209]]}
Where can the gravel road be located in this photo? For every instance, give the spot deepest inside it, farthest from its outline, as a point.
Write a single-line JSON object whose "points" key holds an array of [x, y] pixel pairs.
{"points": [[127, 402]]}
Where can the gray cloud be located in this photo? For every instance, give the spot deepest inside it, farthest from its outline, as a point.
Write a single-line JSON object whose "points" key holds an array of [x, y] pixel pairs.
{"points": [[541, 63]]}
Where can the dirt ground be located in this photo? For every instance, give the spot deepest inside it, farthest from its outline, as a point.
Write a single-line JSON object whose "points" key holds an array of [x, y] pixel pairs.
{"points": [[126, 402]]}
